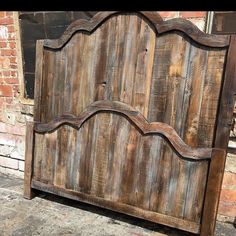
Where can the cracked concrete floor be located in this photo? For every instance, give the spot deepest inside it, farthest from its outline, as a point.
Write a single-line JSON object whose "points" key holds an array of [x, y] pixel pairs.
{"points": [[51, 215]]}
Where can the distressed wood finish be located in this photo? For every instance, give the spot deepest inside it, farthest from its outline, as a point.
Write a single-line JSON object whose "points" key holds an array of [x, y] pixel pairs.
{"points": [[138, 119], [126, 117], [224, 120], [29, 160], [214, 183]]}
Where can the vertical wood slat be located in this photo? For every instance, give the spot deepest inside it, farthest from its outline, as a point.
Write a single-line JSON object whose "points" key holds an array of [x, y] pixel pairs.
{"points": [[29, 147], [161, 82], [213, 189], [225, 113], [38, 79]]}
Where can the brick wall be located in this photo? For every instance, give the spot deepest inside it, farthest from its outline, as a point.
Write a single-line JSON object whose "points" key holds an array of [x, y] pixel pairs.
{"points": [[14, 114], [12, 117]]}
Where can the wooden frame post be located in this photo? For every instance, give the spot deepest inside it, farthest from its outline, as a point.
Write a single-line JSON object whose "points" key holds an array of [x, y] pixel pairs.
{"points": [[224, 123], [29, 143], [213, 189]]}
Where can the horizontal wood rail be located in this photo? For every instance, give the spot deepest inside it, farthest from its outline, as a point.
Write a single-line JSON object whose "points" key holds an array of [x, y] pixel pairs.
{"points": [[120, 207], [160, 26], [135, 117]]}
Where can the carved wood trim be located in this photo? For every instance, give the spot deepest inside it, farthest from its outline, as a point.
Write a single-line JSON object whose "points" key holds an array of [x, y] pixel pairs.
{"points": [[135, 117], [183, 25]]}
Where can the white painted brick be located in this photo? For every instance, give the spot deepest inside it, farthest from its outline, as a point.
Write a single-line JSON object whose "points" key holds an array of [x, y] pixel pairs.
{"points": [[6, 150], [7, 139], [232, 144], [21, 165], [199, 22], [3, 32], [8, 171], [9, 162], [230, 164]]}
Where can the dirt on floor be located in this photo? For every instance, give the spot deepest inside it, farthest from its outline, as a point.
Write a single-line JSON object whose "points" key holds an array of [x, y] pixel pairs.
{"points": [[51, 215]]}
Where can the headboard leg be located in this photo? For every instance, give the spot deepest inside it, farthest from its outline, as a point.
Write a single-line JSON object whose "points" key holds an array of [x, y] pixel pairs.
{"points": [[29, 141], [213, 190]]}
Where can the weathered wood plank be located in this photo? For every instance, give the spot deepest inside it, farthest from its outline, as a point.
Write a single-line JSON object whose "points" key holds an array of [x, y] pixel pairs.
{"points": [[227, 100], [213, 190], [120, 207], [39, 69], [137, 119], [154, 18], [29, 157], [126, 115]]}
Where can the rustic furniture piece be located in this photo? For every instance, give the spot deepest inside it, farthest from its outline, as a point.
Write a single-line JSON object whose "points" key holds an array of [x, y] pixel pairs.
{"points": [[133, 113]]}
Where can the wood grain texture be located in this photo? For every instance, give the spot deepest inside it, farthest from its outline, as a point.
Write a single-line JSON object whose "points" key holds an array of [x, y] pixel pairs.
{"points": [[214, 183], [224, 120], [146, 128], [125, 168], [39, 66], [28, 193], [154, 18], [120, 207], [126, 116]]}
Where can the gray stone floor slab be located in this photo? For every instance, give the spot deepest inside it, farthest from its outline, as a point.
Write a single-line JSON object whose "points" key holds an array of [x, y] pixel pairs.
{"points": [[49, 215]]}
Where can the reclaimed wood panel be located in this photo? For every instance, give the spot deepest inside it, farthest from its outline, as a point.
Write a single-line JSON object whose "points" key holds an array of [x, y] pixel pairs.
{"points": [[126, 117], [124, 169]]}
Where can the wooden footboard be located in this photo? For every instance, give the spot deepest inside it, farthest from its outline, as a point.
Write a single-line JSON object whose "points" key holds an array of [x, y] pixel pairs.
{"points": [[110, 156]]}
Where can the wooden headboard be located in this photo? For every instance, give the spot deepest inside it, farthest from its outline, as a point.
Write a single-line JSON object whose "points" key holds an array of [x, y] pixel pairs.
{"points": [[133, 113]]}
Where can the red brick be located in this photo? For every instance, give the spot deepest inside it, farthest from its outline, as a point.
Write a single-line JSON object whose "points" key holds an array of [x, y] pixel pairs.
{"points": [[6, 73], [192, 14], [9, 100], [12, 45], [13, 60], [168, 14], [11, 80], [11, 28], [4, 63], [227, 209], [13, 73], [16, 90], [5, 91], [2, 103], [6, 21], [2, 80], [11, 36], [9, 13], [8, 52], [13, 66], [229, 179], [2, 14], [3, 44], [228, 195]]}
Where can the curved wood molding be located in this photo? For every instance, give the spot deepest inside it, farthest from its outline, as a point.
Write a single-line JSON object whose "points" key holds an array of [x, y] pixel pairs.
{"points": [[135, 117], [192, 31], [183, 25]]}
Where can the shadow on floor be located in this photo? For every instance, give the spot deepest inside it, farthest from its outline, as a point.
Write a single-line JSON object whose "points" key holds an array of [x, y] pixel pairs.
{"points": [[114, 216]]}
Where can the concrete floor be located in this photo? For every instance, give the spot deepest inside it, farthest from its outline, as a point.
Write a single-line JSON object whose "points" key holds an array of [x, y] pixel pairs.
{"points": [[51, 215]]}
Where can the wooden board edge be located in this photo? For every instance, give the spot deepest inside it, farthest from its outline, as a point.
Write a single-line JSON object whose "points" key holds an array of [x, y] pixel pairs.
{"points": [[29, 148], [213, 189], [38, 79], [227, 97], [119, 207], [160, 26]]}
